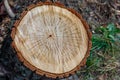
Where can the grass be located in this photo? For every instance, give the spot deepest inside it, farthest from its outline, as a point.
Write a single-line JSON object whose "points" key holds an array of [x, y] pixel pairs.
{"points": [[103, 61]]}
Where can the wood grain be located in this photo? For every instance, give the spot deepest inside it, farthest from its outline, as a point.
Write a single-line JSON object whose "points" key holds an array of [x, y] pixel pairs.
{"points": [[51, 39]]}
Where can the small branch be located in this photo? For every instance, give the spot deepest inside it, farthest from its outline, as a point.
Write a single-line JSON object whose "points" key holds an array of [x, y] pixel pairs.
{"points": [[116, 11], [8, 9], [114, 7], [96, 2]]}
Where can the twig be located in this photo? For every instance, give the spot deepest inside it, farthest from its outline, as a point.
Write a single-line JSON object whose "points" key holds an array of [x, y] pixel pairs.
{"points": [[116, 11], [8, 9], [96, 2], [114, 7], [98, 15]]}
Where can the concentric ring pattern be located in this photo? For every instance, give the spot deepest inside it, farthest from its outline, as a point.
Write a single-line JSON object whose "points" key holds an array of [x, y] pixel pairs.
{"points": [[52, 39]]}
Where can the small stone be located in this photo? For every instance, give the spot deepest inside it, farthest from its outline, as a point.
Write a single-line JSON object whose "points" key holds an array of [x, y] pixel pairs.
{"points": [[93, 31]]}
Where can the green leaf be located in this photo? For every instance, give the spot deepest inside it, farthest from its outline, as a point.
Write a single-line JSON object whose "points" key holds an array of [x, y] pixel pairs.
{"points": [[103, 29], [118, 30], [111, 27], [112, 37]]}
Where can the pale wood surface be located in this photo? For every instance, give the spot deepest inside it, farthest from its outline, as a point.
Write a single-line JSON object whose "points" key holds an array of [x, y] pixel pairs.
{"points": [[52, 39]]}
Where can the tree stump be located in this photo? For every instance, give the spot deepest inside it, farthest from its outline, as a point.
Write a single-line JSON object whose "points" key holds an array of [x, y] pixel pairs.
{"points": [[51, 40]]}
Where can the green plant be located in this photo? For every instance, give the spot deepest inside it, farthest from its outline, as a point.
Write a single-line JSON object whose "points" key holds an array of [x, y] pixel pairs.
{"points": [[105, 42], [104, 54], [106, 39]]}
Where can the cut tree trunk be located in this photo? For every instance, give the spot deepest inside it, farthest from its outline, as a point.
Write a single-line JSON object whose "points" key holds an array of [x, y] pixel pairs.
{"points": [[51, 39]]}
